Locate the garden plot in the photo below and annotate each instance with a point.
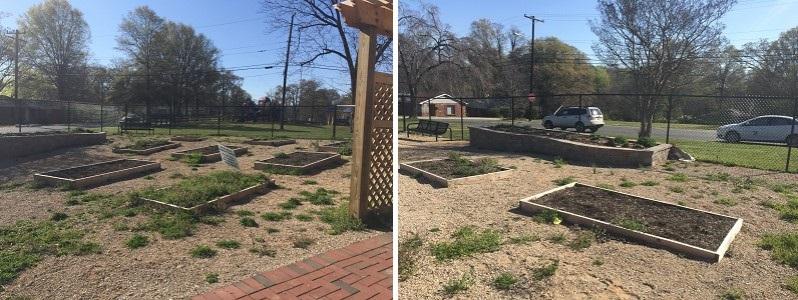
(146, 147)
(456, 170)
(696, 233)
(151, 253)
(473, 241)
(210, 193)
(270, 142)
(206, 154)
(300, 162)
(96, 174)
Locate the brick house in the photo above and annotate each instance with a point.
(443, 106)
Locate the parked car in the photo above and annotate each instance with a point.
(579, 118)
(770, 128)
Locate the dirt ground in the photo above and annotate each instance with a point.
(164, 269)
(610, 269)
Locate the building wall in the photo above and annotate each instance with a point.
(440, 110)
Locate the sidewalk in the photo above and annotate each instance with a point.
(359, 271)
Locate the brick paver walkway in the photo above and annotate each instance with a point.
(359, 271)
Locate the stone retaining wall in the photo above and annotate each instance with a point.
(486, 138)
(19, 146)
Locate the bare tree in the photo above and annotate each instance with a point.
(658, 41)
(426, 44)
(324, 33)
(6, 56)
(137, 38)
(56, 43)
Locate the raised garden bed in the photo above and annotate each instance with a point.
(343, 148)
(187, 138)
(300, 162)
(571, 146)
(688, 231)
(97, 174)
(455, 170)
(13, 146)
(212, 192)
(268, 142)
(146, 147)
(208, 154)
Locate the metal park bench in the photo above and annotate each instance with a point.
(430, 127)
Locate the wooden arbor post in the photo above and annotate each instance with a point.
(372, 139)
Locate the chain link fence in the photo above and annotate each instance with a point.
(757, 132)
(273, 121)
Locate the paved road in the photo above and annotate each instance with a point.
(609, 130)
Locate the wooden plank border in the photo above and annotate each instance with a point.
(207, 158)
(528, 205)
(147, 151)
(455, 181)
(95, 180)
(273, 143)
(218, 204)
(332, 159)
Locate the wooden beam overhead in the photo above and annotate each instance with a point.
(373, 14)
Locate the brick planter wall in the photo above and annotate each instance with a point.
(485, 138)
(19, 146)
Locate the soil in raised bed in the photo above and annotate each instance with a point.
(576, 137)
(145, 144)
(209, 150)
(87, 171)
(298, 158)
(673, 222)
(452, 168)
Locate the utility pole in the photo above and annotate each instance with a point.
(285, 71)
(16, 34)
(532, 63)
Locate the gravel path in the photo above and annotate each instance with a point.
(164, 269)
(606, 270)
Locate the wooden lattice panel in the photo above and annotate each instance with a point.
(380, 179)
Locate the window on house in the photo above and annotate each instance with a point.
(449, 110)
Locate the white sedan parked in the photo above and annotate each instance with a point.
(769, 128)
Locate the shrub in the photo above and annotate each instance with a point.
(545, 271)
(303, 242)
(564, 181)
(228, 244)
(408, 254)
(137, 241)
(458, 285)
(504, 281)
(646, 142)
(340, 219)
(203, 251)
(212, 278)
(467, 241)
(248, 222)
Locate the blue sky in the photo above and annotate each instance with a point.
(748, 21)
(235, 27)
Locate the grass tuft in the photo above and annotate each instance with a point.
(212, 278)
(504, 281)
(340, 219)
(408, 255)
(203, 251)
(248, 222)
(137, 241)
(545, 271)
(228, 244)
(467, 241)
(564, 181)
(458, 285)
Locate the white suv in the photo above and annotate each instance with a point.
(579, 118)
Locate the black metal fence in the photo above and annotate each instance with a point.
(290, 121)
(711, 128)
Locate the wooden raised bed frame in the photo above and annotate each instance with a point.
(207, 158)
(528, 205)
(332, 159)
(99, 179)
(331, 147)
(218, 204)
(183, 138)
(273, 143)
(444, 182)
(147, 151)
